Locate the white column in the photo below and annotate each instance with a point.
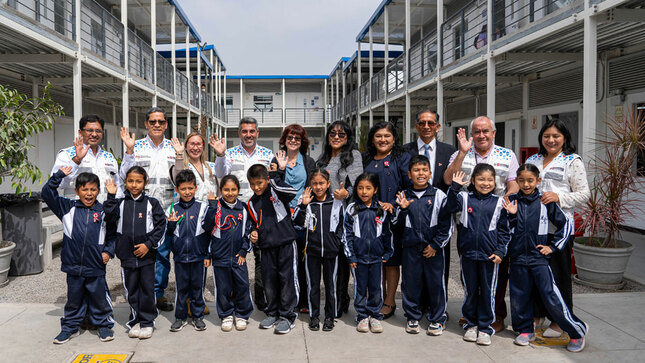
(359, 77)
(214, 92)
(386, 20)
(588, 125)
(173, 61)
(406, 128)
(189, 85)
(199, 86)
(284, 103)
(241, 99)
(77, 82)
(440, 102)
(125, 96)
(490, 66)
(153, 44)
(371, 40)
(325, 95)
(337, 87)
(225, 111)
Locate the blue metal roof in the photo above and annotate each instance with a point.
(343, 59)
(377, 14)
(365, 54)
(181, 53)
(278, 76)
(184, 18)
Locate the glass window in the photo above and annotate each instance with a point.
(263, 103)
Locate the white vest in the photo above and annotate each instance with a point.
(555, 177)
(500, 158)
(240, 164)
(104, 166)
(208, 184)
(158, 169)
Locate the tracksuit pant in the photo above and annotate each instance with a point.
(232, 291)
(560, 263)
(329, 267)
(163, 268)
(139, 291)
(480, 283)
(87, 295)
(368, 293)
(527, 280)
(258, 287)
(421, 273)
(279, 276)
(302, 270)
(342, 283)
(189, 278)
(502, 282)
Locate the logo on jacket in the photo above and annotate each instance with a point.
(95, 216)
(386, 163)
(240, 216)
(429, 201)
(470, 209)
(140, 215)
(378, 220)
(272, 199)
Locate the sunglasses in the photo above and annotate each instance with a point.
(293, 138)
(341, 135)
(157, 122)
(427, 123)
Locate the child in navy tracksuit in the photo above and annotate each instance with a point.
(190, 223)
(368, 243)
(426, 231)
(322, 216)
(529, 252)
(141, 227)
(88, 245)
(275, 236)
(483, 237)
(228, 248)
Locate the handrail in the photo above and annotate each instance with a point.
(59, 18)
(140, 56)
(101, 32)
(314, 115)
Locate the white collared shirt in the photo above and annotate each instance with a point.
(433, 151)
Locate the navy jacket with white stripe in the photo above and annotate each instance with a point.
(323, 222)
(190, 237)
(140, 220)
(231, 236)
(483, 223)
(530, 227)
(86, 234)
(425, 221)
(272, 216)
(367, 237)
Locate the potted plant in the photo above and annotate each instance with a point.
(601, 256)
(21, 117)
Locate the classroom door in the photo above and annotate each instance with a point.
(512, 135)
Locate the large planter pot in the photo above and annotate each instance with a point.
(5, 260)
(22, 224)
(601, 267)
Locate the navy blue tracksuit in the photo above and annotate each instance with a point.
(483, 231)
(530, 271)
(230, 239)
(189, 239)
(140, 220)
(86, 236)
(323, 222)
(424, 223)
(277, 241)
(368, 242)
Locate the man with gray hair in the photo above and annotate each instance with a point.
(237, 161)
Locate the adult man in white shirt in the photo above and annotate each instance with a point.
(237, 161)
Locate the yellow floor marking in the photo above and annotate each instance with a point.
(100, 358)
(550, 342)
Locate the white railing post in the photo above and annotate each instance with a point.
(153, 44)
(77, 82)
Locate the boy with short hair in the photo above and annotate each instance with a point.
(190, 223)
(427, 228)
(275, 236)
(84, 229)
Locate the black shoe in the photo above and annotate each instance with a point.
(178, 325)
(328, 325)
(164, 305)
(199, 324)
(314, 324)
(391, 313)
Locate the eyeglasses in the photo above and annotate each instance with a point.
(341, 135)
(294, 138)
(157, 122)
(195, 144)
(426, 123)
(93, 131)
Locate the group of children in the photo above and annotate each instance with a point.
(221, 233)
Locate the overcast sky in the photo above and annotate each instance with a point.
(280, 36)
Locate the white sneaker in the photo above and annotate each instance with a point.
(471, 334)
(146, 332)
(227, 323)
(240, 324)
(551, 333)
(483, 338)
(363, 326)
(134, 331)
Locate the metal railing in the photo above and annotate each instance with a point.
(206, 103)
(395, 74)
(305, 115)
(423, 57)
(464, 32)
(233, 116)
(165, 79)
(182, 86)
(54, 15)
(363, 95)
(140, 57)
(101, 32)
(272, 116)
(194, 94)
(515, 15)
(378, 85)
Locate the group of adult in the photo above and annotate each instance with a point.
(562, 171)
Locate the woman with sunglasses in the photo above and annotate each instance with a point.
(343, 161)
(295, 166)
(190, 155)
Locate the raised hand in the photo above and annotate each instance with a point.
(66, 169)
(81, 150)
(402, 200)
(178, 146)
(128, 140)
(281, 157)
(110, 186)
(341, 193)
(307, 196)
(458, 177)
(219, 145)
(173, 217)
(211, 195)
(510, 207)
(388, 207)
(273, 167)
(465, 143)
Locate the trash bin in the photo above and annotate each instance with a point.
(21, 223)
